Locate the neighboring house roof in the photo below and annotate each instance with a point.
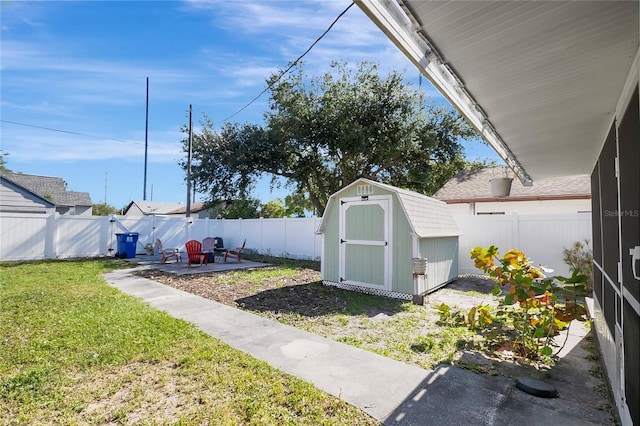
(202, 206)
(154, 207)
(195, 207)
(427, 216)
(50, 188)
(475, 186)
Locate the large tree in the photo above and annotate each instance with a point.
(322, 133)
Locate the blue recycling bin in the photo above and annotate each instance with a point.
(127, 245)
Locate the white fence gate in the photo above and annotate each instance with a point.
(30, 237)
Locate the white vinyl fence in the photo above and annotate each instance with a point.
(30, 237)
(36, 236)
(542, 237)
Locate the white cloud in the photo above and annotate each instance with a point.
(64, 84)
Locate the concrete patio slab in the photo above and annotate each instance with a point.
(181, 268)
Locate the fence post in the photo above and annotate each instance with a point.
(261, 250)
(187, 227)
(286, 224)
(316, 225)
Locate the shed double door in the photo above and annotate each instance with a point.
(365, 241)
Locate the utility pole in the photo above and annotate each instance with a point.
(146, 145)
(188, 208)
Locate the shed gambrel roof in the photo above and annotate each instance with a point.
(474, 186)
(427, 217)
(50, 188)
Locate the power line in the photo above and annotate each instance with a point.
(69, 132)
(223, 121)
(290, 66)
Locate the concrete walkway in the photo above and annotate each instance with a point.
(393, 392)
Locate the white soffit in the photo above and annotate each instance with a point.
(539, 79)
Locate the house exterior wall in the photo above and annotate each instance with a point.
(615, 183)
(12, 199)
(134, 210)
(522, 207)
(84, 210)
(75, 210)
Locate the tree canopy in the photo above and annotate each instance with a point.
(103, 209)
(3, 162)
(322, 133)
(273, 208)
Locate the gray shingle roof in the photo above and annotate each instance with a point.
(194, 207)
(427, 216)
(52, 188)
(475, 185)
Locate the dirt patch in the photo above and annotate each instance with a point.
(465, 292)
(305, 294)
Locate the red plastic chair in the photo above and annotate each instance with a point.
(168, 253)
(236, 252)
(194, 253)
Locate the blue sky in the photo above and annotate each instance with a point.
(73, 74)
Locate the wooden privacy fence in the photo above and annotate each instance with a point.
(30, 237)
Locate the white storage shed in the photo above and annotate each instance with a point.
(373, 234)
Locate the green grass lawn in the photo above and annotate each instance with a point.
(75, 351)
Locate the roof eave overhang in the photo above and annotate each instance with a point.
(397, 26)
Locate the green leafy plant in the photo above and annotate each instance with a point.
(579, 256)
(538, 307)
(478, 316)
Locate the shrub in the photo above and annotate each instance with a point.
(537, 307)
(580, 257)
